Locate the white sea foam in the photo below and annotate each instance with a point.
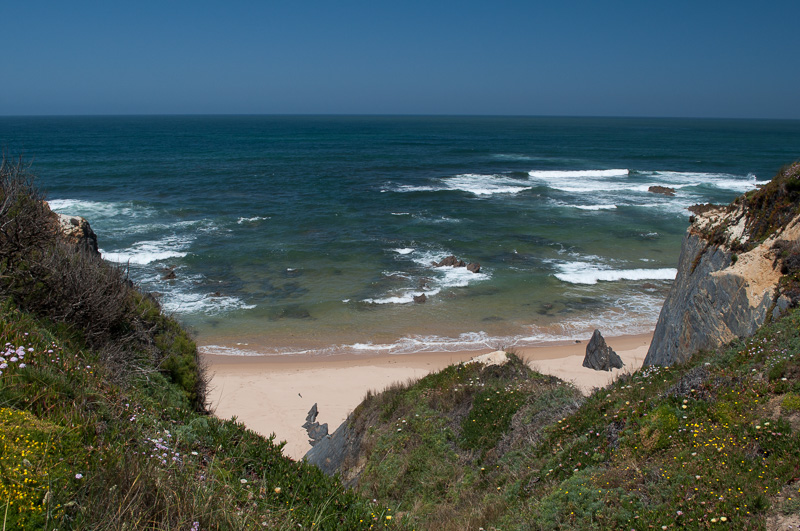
(459, 277)
(466, 341)
(473, 183)
(571, 174)
(369, 347)
(199, 303)
(404, 297)
(616, 181)
(588, 273)
(131, 228)
(443, 219)
(594, 207)
(404, 250)
(724, 181)
(140, 256)
(254, 219)
(436, 278)
(410, 188)
(221, 350)
(98, 210)
(146, 252)
(485, 184)
(588, 181)
(738, 185)
(672, 207)
(201, 225)
(584, 186)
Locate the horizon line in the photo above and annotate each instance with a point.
(392, 115)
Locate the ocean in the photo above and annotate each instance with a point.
(313, 234)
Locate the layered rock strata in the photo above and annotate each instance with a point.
(729, 272)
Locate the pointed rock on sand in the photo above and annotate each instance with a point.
(599, 355)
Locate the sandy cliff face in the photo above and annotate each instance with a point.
(729, 272)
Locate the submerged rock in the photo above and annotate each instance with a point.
(599, 356)
(663, 190)
(450, 261)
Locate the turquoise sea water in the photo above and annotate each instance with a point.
(295, 234)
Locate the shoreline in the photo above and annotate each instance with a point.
(273, 393)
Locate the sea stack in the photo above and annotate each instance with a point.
(599, 356)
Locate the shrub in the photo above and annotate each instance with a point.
(775, 204)
(52, 278)
(25, 220)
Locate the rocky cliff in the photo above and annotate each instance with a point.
(77, 231)
(739, 267)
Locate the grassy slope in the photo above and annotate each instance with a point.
(685, 446)
(80, 451)
(102, 406)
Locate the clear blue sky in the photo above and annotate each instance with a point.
(592, 58)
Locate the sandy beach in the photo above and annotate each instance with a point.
(272, 394)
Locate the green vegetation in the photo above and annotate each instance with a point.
(710, 442)
(437, 447)
(102, 406)
(774, 205)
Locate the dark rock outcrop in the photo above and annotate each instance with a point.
(701, 311)
(316, 432)
(599, 356)
(420, 298)
(663, 190)
(703, 208)
(452, 261)
(331, 452)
